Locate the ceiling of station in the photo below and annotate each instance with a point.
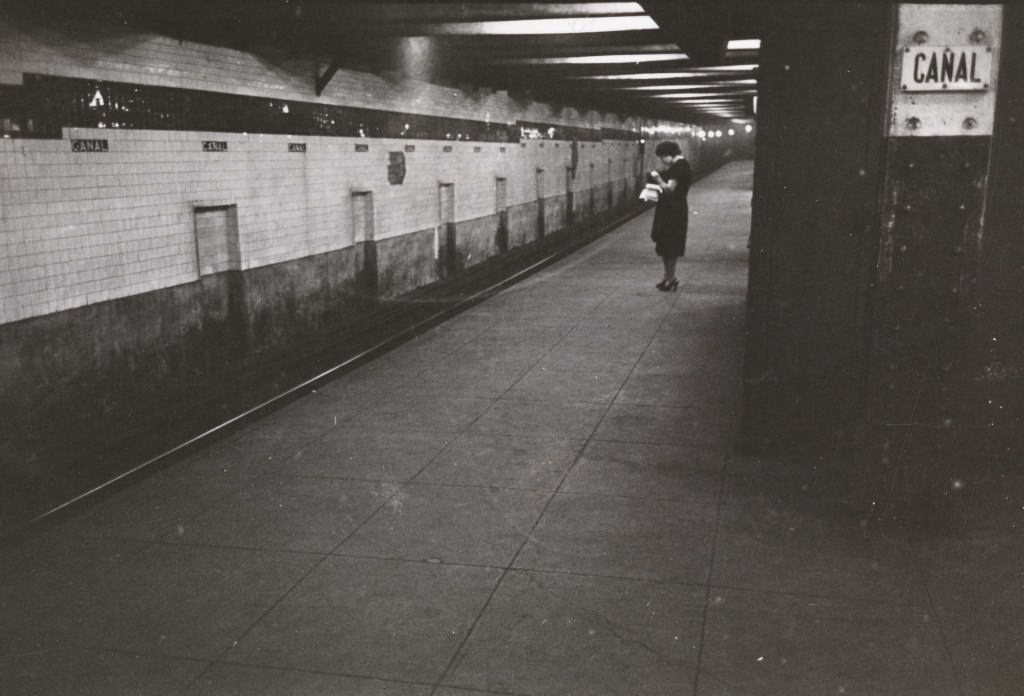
(688, 60)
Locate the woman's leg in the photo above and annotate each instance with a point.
(670, 266)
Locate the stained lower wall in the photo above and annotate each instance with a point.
(79, 379)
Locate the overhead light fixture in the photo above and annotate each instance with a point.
(693, 86)
(729, 68)
(558, 25)
(743, 45)
(691, 95)
(695, 72)
(607, 59)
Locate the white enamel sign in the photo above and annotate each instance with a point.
(946, 68)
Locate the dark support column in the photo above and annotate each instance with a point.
(884, 322)
(815, 224)
(927, 410)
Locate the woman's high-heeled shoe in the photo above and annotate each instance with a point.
(668, 285)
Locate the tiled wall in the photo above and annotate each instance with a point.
(113, 217)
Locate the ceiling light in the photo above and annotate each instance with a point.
(601, 59)
(690, 95)
(560, 25)
(696, 72)
(730, 68)
(694, 86)
(744, 45)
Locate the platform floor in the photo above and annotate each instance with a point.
(538, 497)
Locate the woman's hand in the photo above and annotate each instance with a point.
(669, 185)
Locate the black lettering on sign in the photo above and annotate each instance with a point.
(89, 146)
(296, 147)
(930, 68)
(215, 146)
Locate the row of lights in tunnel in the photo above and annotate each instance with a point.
(606, 17)
(703, 134)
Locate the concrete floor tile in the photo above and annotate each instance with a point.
(466, 380)
(552, 634)
(431, 413)
(622, 347)
(228, 458)
(697, 389)
(565, 360)
(522, 333)
(47, 572)
(75, 671)
(791, 649)
(369, 379)
(242, 680)
(626, 537)
(376, 454)
(532, 463)
(153, 506)
(183, 601)
(763, 546)
(262, 445)
(371, 618)
(975, 581)
(450, 524)
(473, 692)
(491, 356)
(317, 411)
(541, 384)
(657, 471)
(987, 649)
(664, 425)
(286, 513)
(574, 421)
(441, 340)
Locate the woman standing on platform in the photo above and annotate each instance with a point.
(670, 217)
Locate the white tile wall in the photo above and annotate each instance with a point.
(78, 228)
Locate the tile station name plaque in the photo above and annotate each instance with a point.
(952, 68)
(944, 71)
(90, 146)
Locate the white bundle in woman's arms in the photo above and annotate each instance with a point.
(650, 193)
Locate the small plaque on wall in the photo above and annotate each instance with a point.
(362, 148)
(215, 146)
(90, 146)
(296, 147)
(447, 148)
(396, 167)
(410, 148)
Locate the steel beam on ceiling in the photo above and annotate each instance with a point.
(324, 78)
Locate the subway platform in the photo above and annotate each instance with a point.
(539, 497)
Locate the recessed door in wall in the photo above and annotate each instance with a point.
(364, 243)
(444, 239)
(541, 213)
(570, 202)
(501, 206)
(217, 247)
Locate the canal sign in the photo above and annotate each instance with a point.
(946, 68)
